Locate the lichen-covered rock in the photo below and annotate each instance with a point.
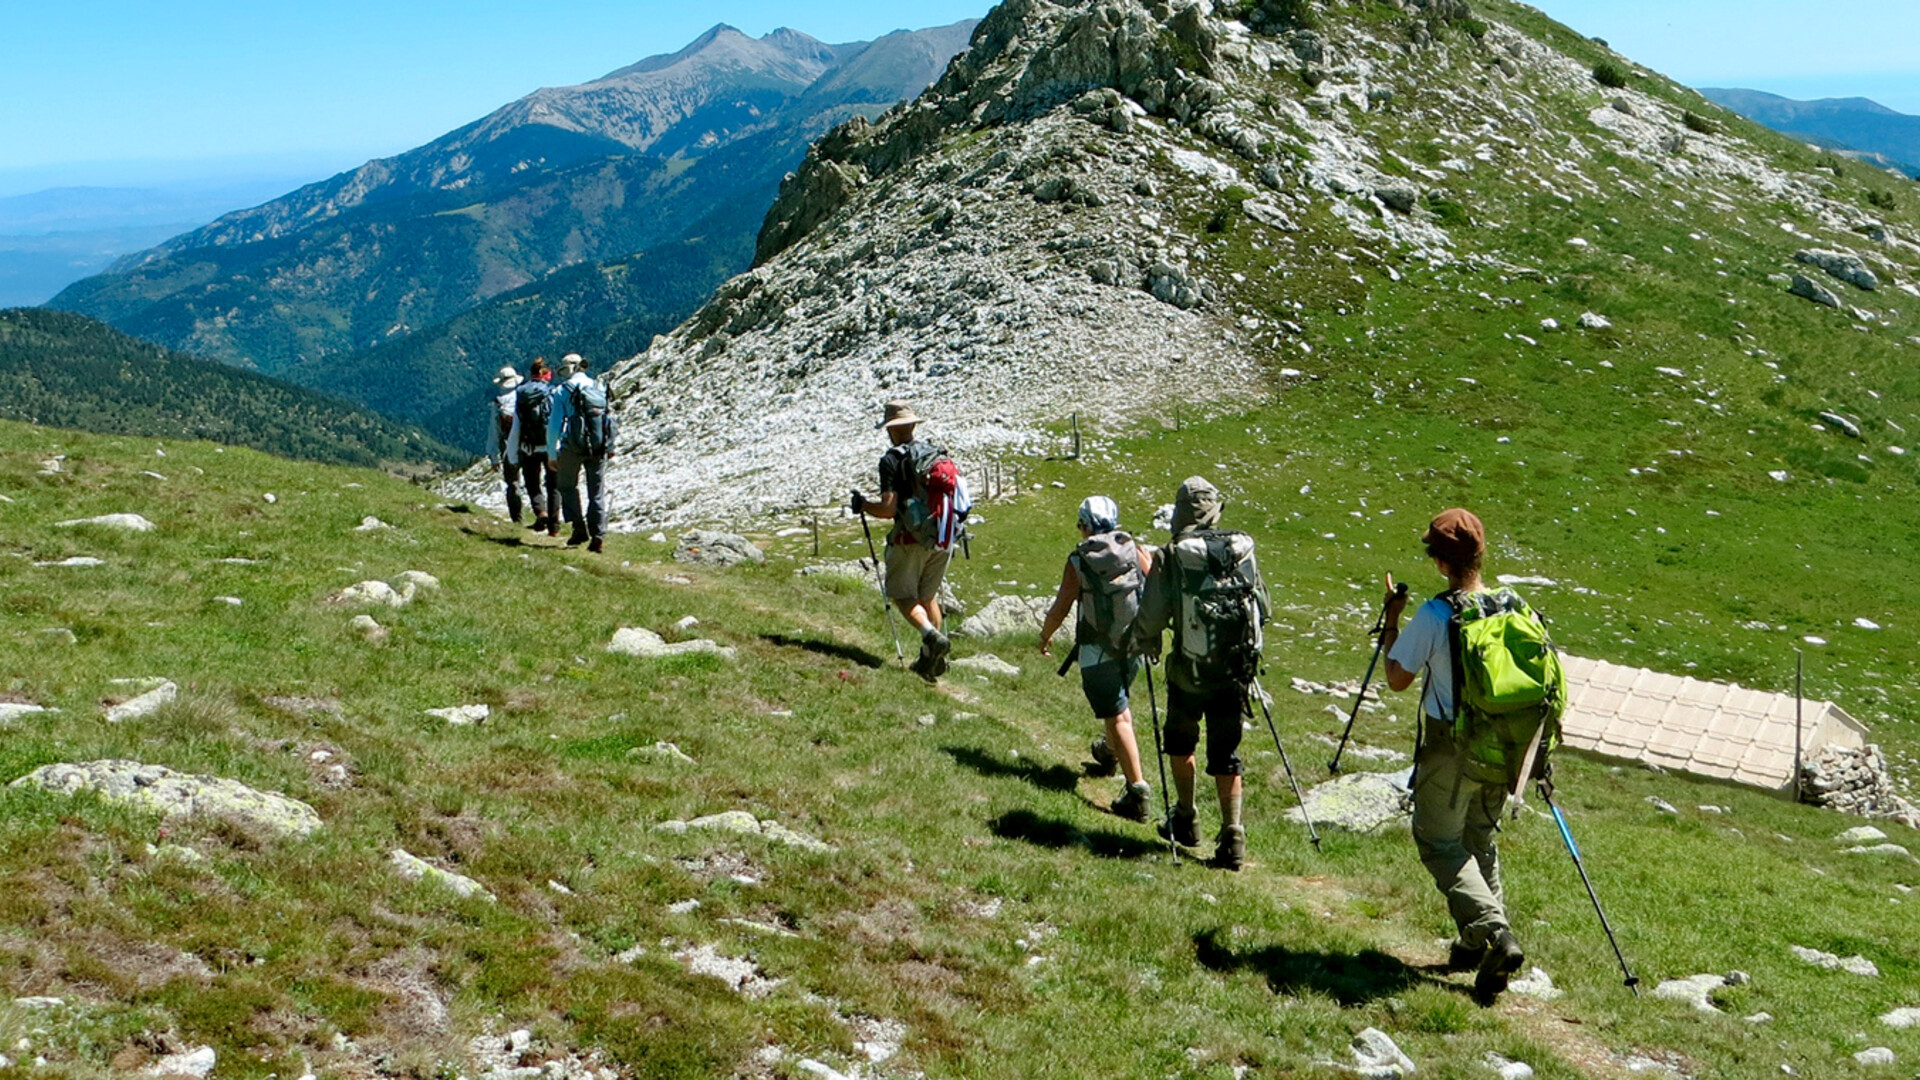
(1013, 615)
(1842, 266)
(173, 794)
(703, 547)
(413, 868)
(1809, 289)
(1357, 802)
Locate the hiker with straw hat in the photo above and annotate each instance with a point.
(502, 454)
(916, 565)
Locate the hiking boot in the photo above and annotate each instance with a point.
(539, 524)
(579, 537)
(1133, 804)
(1230, 851)
(1502, 960)
(1182, 828)
(923, 665)
(1104, 763)
(595, 545)
(1460, 958)
(937, 646)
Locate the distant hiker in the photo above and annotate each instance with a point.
(1466, 763)
(1206, 585)
(1106, 574)
(527, 446)
(581, 431)
(922, 494)
(500, 452)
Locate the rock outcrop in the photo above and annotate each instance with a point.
(173, 794)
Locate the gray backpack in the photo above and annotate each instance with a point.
(1218, 616)
(1108, 566)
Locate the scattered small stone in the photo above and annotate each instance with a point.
(657, 538)
(1508, 1070)
(1860, 834)
(197, 1063)
(60, 635)
(686, 624)
(1808, 289)
(1591, 321)
(172, 794)
(926, 720)
(1875, 1055)
(418, 579)
(1536, 984)
(371, 524)
(1661, 805)
(641, 642)
(739, 821)
(742, 976)
(661, 751)
(14, 710)
(1864, 623)
(1841, 424)
(986, 664)
(1549, 325)
(684, 907)
(820, 1069)
(414, 868)
(54, 1003)
(1379, 1056)
(1857, 965)
(129, 522)
(462, 715)
(1738, 978)
(369, 628)
(145, 705)
(75, 561)
(1696, 990)
(373, 592)
(1881, 849)
(558, 887)
(269, 498)
(1760, 1018)
(1902, 1018)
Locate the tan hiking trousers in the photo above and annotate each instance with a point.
(1455, 821)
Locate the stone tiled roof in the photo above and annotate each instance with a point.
(1717, 730)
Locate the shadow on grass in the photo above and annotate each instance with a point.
(852, 654)
(1054, 833)
(503, 541)
(1348, 978)
(1046, 778)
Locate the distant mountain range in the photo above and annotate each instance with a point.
(66, 370)
(668, 164)
(1876, 133)
(51, 238)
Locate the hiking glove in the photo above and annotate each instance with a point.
(859, 501)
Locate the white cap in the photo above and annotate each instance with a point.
(573, 361)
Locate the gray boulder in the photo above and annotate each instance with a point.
(1378, 1055)
(14, 710)
(1357, 802)
(1841, 424)
(1012, 615)
(172, 794)
(703, 547)
(986, 664)
(1696, 990)
(1806, 287)
(1398, 197)
(1875, 1055)
(145, 705)
(1841, 265)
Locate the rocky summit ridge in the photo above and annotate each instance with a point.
(1043, 231)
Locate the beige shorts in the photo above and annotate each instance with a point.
(914, 571)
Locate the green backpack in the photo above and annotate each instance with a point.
(1508, 685)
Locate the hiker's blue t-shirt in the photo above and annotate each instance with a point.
(1423, 645)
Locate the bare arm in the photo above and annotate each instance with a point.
(883, 507)
(1057, 614)
(1398, 678)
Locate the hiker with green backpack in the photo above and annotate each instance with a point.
(1206, 586)
(1106, 575)
(922, 493)
(581, 431)
(1489, 719)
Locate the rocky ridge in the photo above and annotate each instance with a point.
(1030, 237)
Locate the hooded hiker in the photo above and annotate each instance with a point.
(581, 431)
(1481, 737)
(501, 453)
(1207, 587)
(1106, 574)
(527, 446)
(922, 493)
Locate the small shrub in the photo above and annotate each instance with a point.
(1450, 213)
(1695, 122)
(1882, 199)
(1474, 28)
(1609, 74)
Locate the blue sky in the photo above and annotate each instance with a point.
(111, 91)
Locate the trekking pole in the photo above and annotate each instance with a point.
(1166, 807)
(1379, 642)
(1546, 795)
(880, 575)
(1312, 833)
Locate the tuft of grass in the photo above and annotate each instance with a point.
(1610, 74)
